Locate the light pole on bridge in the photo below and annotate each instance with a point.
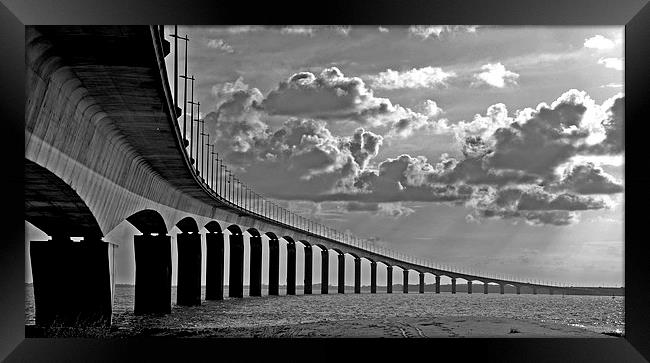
(198, 136)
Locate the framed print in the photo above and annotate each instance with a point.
(221, 177)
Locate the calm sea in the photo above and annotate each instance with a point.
(595, 313)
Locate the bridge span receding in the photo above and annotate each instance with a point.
(103, 145)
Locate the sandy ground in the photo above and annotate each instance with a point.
(439, 327)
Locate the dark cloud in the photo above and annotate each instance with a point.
(588, 179)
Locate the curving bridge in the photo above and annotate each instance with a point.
(103, 145)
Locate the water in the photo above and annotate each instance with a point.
(595, 313)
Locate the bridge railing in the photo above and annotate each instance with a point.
(210, 168)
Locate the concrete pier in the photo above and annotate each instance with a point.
(255, 284)
(357, 275)
(341, 273)
(236, 276)
(437, 284)
(291, 268)
(214, 266)
(373, 277)
(153, 274)
(502, 289)
(469, 287)
(421, 283)
(485, 287)
(274, 266)
(325, 270)
(453, 285)
(72, 284)
(308, 270)
(188, 291)
(389, 279)
(405, 281)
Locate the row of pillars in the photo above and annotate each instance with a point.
(87, 293)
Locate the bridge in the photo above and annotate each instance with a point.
(104, 144)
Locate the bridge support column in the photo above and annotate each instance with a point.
(389, 279)
(518, 290)
(274, 266)
(485, 287)
(341, 273)
(214, 266)
(236, 278)
(405, 285)
(308, 270)
(189, 269)
(291, 269)
(357, 275)
(325, 271)
(534, 291)
(72, 283)
(421, 283)
(153, 274)
(453, 285)
(550, 291)
(437, 284)
(373, 277)
(255, 284)
(469, 287)
(502, 289)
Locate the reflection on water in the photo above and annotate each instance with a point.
(595, 313)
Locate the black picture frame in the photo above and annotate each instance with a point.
(634, 14)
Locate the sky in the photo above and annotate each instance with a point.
(496, 148)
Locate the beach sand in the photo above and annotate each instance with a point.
(435, 327)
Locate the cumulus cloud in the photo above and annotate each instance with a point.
(599, 42)
(425, 31)
(495, 75)
(220, 44)
(364, 145)
(226, 89)
(613, 63)
(612, 85)
(427, 77)
(332, 96)
(521, 166)
(512, 166)
(383, 30)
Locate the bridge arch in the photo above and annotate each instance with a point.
(253, 232)
(234, 229)
(54, 207)
(188, 225)
(213, 227)
(271, 235)
(148, 221)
